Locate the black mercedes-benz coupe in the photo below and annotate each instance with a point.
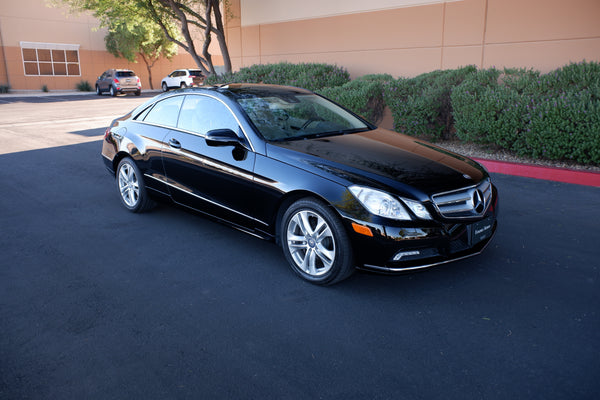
(285, 164)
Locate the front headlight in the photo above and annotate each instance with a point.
(417, 208)
(385, 205)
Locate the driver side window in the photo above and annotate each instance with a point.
(201, 114)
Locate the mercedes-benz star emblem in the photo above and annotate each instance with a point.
(477, 199)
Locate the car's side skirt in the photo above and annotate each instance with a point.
(208, 201)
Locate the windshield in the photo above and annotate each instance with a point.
(293, 116)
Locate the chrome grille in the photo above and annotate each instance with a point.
(467, 202)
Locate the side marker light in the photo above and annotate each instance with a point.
(363, 230)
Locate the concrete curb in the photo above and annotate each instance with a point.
(547, 173)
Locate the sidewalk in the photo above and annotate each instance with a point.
(39, 93)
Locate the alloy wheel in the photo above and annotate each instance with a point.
(311, 243)
(128, 185)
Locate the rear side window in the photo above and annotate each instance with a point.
(123, 74)
(165, 112)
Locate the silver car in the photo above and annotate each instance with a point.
(115, 81)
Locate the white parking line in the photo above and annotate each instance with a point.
(107, 118)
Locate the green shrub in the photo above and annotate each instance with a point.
(45, 88)
(362, 95)
(564, 127)
(554, 116)
(84, 86)
(4, 88)
(311, 76)
(421, 106)
(488, 112)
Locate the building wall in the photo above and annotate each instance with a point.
(33, 21)
(409, 37)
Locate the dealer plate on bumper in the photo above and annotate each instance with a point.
(481, 230)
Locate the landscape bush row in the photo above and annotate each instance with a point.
(554, 116)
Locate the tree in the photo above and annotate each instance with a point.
(205, 15)
(127, 39)
(180, 20)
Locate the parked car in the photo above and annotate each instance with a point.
(115, 81)
(288, 165)
(182, 78)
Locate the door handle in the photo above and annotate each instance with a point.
(174, 143)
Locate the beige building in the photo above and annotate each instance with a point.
(409, 37)
(42, 45)
(45, 46)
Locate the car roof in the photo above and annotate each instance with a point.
(232, 91)
(261, 89)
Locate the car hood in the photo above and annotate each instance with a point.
(381, 158)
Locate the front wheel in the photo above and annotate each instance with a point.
(98, 91)
(164, 87)
(315, 243)
(132, 189)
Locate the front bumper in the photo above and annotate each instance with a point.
(396, 249)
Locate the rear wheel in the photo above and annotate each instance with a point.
(132, 189)
(183, 85)
(315, 243)
(112, 92)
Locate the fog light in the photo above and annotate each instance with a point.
(401, 254)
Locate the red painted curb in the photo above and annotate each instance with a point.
(547, 173)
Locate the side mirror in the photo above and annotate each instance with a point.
(222, 137)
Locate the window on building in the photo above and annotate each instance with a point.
(52, 59)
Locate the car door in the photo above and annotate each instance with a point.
(106, 80)
(155, 125)
(170, 78)
(217, 180)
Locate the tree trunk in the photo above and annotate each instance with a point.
(148, 68)
(220, 32)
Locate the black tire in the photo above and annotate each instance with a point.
(131, 187)
(113, 91)
(139, 92)
(98, 91)
(315, 243)
(164, 87)
(182, 85)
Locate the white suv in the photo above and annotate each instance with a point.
(181, 78)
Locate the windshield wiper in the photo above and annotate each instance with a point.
(335, 133)
(322, 134)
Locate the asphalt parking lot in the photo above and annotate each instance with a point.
(99, 303)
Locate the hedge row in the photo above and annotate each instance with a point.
(421, 106)
(363, 95)
(553, 116)
(311, 76)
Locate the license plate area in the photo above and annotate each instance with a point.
(481, 230)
